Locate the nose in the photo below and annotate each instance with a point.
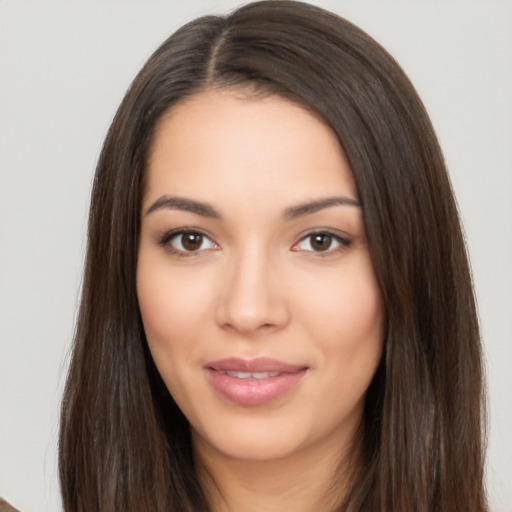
(252, 298)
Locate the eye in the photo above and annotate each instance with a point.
(322, 242)
(187, 241)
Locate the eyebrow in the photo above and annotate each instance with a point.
(320, 204)
(206, 210)
(182, 203)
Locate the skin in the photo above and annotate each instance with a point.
(258, 286)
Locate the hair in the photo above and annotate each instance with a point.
(124, 444)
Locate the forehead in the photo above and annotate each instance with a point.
(226, 144)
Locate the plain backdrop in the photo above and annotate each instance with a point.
(64, 67)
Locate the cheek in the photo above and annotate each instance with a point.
(171, 311)
(170, 301)
(352, 346)
(157, 305)
(346, 317)
(360, 312)
(346, 305)
(172, 306)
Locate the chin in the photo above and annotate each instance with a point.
(251, 439)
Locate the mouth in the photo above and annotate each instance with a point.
(254, 382)
(249, 375)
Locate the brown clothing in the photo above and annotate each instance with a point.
(5, 507)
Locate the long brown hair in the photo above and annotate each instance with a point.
(124, 444)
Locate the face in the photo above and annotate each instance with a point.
(257, 293)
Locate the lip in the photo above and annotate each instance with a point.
(254, 391)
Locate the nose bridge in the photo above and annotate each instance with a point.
(252, 296)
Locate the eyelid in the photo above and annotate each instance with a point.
(343, 240)
(165, 239)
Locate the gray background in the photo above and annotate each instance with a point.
(63, 69)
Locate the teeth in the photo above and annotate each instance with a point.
(249, 375)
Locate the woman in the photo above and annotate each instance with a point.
(277, 311)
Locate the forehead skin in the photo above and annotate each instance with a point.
(251, 139)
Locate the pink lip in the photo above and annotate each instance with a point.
(253, 391)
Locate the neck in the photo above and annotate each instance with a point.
(308, 481)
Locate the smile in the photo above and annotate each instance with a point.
(253, 382)
(249, 375)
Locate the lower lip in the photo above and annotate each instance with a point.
(254, 391)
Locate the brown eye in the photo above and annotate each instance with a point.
(321, 242)
(191, 241)
(187, 241)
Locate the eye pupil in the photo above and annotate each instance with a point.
(320, 242)
(192, 241)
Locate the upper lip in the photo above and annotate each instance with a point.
(259, 364)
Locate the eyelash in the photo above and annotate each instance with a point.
(166, 239)
(165, 242)
(344, 243)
